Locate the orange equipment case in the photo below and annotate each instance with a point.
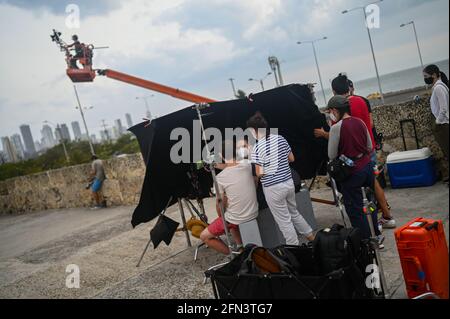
(424, 257)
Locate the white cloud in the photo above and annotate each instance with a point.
(320, 15)
(33, 78)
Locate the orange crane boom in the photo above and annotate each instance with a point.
(176, 93)
(87, 73)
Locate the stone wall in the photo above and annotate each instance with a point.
(66, 187)
(387, 121)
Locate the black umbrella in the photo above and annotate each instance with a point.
(290, 109)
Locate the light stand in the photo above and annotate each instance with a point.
(211, 164)
(337, 200)
(374, 244)
(150, 240)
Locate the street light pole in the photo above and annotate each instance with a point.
(147, 107)
(417, 41)
(313, 43)
(261, 81)
(84, 121)
(233, 87)
(374, 58)
(371, 45)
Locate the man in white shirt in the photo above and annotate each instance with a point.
(237, 188)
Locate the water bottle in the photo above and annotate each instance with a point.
(376, 170)
(349, 162)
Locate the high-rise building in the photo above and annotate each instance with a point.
(9, 149)
(28, 140)
(18, 146)
(113, 133)
(58, 135)
(76, 131)
(48, 140)
(105, 136)
(65, 134)
(3, 158)
(129, 120)
(94, 139)
(119, 128)
(39, 146)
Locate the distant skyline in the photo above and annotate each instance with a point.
(196, 46)
(45, 139)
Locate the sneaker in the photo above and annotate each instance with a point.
(387, 223)
(381, 239)
(380, 227)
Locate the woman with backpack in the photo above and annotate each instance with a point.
(439, 105)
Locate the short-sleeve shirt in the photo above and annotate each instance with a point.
(238, 184)
(359, 110)
(271, 153)
(97, 167)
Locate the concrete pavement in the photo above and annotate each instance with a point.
(36, 248)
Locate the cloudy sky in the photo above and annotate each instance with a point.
(195, 45)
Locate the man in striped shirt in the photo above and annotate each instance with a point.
(272, 155)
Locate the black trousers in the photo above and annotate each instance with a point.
(353, 200)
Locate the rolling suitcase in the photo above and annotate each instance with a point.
(424, 257)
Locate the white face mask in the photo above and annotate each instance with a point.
(333, 117)
(243, 153)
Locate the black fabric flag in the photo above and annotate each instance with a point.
(290, 109)
(164, 230)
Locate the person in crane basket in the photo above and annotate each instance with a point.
(79, 51)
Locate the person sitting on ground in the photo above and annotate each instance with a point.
(98, 177)
(79, 51)
(359, 108)
(439, 106)
(272, 156)
(237, 189)
(350, 137)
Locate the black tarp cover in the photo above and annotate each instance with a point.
(290, 109)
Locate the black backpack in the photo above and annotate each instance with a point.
(336, 248)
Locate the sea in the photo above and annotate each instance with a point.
(393, 82)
